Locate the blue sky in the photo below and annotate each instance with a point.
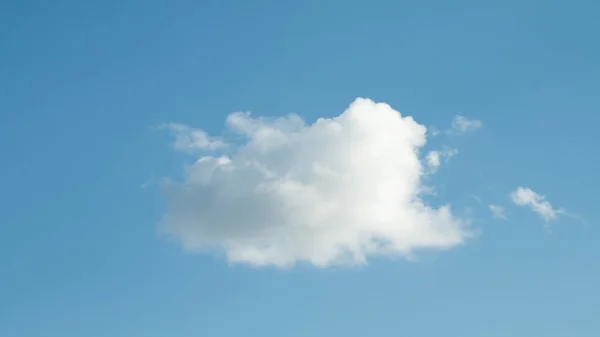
(84, 85)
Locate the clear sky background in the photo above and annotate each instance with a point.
(84, 85)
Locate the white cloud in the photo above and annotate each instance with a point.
(497, 211)
(433, 158)
(334, 192)
(433, 131)
(461, 124)
(523, 196)
(190, 139)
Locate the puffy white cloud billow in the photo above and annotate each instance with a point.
(332, 192)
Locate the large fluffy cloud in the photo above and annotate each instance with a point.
(333, 192)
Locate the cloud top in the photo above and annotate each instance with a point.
(333, 192)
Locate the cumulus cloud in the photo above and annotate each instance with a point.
(333, 192)
(524, 196)
(433, 158)
(461, 124)
(190, 139)
(497, 211)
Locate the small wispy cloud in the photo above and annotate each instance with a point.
(498, 211)
(433, 131)
(524, 196)
(461, 124)
(189, 139)
(434, 158)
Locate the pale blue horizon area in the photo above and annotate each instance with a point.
(83, 86)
